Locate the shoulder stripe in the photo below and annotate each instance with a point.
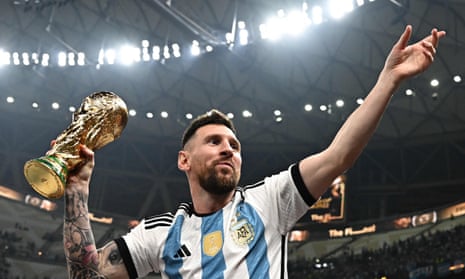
(154, 217)
(161, 220)
(187, 207)
(258, 184)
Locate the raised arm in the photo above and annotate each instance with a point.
(83, 258)
(404, 61)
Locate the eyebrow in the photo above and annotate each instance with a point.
(217, 135)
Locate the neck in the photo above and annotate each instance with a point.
(206, 203)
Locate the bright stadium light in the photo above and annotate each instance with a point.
(129, 54)
(81, 60)
(297, 21)
(176, 50)
(71, 59)
(156, 53)
(339, 8)
(26, 60)
(16, 58)
(195, 48)
(166, 52)
(317, 15)
(35, 58)
(45, 59)
(110, 56)
(5, 57)
(62, 59)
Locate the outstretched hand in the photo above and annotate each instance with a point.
(405, 60)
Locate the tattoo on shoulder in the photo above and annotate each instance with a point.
(78, 271)
(110, 253)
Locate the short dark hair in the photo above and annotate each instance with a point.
(211, 117)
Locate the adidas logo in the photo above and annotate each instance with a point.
(182, 252)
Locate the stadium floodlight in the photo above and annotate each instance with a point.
(35, 58)
(176, 50)
(195, 48)
(317, 15)
(434, 83)
(71, 59)
(129, 54)
(166, 52)
(247, 114)
(62, 59)
(110, 56)
(243, 33)
(16, 58)
(156, 53)
(339, 8)
(25, 57)
(243, 37)
(45, 59)
(81, 58)
(5, 57)
(296, 22)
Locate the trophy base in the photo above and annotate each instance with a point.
(47, 175)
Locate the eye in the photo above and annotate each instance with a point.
(214, 141)
(235, 145)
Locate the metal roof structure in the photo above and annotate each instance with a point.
(414, 161)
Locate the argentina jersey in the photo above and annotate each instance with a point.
(246, 239)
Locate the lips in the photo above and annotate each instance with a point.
(228, 164)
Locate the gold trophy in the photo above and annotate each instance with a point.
(99, 121)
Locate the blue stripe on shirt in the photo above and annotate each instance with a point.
(257, 260)
(213, 263)
(173, 243)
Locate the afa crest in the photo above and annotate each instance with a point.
(212, 243)
(242, 232)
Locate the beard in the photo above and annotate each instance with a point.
(218, 184)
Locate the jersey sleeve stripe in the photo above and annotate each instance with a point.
(124, 251)
(299, 182)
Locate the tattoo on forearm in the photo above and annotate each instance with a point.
(79, 242)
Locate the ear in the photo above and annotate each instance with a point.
(183, 160)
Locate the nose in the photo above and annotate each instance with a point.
(226, 149)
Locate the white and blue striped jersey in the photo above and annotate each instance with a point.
(246, 239)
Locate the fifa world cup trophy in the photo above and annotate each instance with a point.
(99, 121)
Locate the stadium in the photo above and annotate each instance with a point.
(288, 73)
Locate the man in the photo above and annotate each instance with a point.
(229, 231)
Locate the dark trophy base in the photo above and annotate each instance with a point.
(47, 176)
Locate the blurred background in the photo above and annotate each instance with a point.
(287, 72)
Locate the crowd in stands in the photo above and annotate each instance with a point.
(428, 255)
(13, 246)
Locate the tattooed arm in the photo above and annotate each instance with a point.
(84, 260)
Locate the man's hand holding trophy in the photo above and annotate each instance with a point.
(100, 120)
